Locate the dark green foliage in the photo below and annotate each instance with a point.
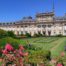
(59, 35)
(10, 34)
(12, 41)
(28, 35)
(3, 33)
(37, 35)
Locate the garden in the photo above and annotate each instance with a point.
(35, 51)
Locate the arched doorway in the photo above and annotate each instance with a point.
(39, 32)
(49, 33)
(17, 32)
(44, 33)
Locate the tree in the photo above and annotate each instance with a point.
(10, 34)
(3, 33)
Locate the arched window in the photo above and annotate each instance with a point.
(49, 33)
(43, 26)
(39, 26)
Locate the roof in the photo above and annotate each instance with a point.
(45, 14)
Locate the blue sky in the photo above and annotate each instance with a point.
(13, 10)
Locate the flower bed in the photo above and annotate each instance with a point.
(13, 56)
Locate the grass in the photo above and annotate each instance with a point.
(54, 44)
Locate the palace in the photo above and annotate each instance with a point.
(45, 23)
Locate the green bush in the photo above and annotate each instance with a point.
(10, 34)
(59, 35)
(37, 35)
(41, 56)
(12, 41)
(28, 35)
(3, 33)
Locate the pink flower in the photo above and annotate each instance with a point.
(17, 55)
(59, 64)
(21, 47)
(15, 51)
(5, 51)
(20, 53)
(62, 54)
(20, 60)
(53, 61)
(8, 47)
(25, 54)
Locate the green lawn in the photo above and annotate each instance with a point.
(54, 44)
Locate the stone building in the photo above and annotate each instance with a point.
(45, 23)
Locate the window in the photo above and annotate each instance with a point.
(25, 32)
(43, 26)
(10, 23)
(21, 32)
(59, 32)
(17, 32)
(49, 25)
(7, 23)
(0, 23)
(17, 26)
(14, 23)
(65, 24)
(64, 31)
(21, 26)
(39, 26)
(54, 32)
(39, 32)
(25, 25)
(3, 23)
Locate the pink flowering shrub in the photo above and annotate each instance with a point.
(8, 47)
(21, 47)
(59, 64)
(4, 51)
(14, 55)
(62, 54)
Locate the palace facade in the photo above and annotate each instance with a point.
(45, 23)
